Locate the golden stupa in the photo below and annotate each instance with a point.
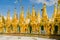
(33, 23)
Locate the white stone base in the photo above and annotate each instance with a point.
(22, 38)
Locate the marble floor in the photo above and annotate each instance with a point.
(2, 37)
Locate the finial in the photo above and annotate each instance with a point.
(21, 2)
(55, 5)
(22, 7)
(22, 10)
(15, 8)
(0, 14)
(28, 8)
(44, 5)
(8, 6)
(33, 5)
(8, 9)
(8, 13)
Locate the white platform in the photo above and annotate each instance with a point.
(22, 38)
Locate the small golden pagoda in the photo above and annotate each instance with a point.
(27, 21)
(33, 21)
(7, 23)
(22, 21)
(15, 22)
(1, 24)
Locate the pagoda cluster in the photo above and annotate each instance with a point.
(33, 23)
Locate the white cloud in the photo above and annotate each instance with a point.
(16, 1)
(48, 2)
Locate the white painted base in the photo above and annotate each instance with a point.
(22, 38)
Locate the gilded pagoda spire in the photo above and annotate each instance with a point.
(45, 19)
(33, 16)
(38, 13)
(44, 13)
(58, 6)
(28, 13)
(28, 16)
(15, 17)
(8, 16)
(22, 12)
(33, 11)
(55, 12)
(8, 22)
(21, 19)
(15, 21)
(38, 16)
(33, 21)
(27, 21)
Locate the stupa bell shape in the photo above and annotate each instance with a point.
(22, 12)
(27, 20)
(44, 13)
(55, 12)
(8, 15)
(21, 19)
(15, 18)
(58, 7)
(33, 11)
(33, 20)
(33, 16)
(15, 14)
(8, 20)
(38, 16)
(28, 13)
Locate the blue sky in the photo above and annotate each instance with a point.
(11, 4)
